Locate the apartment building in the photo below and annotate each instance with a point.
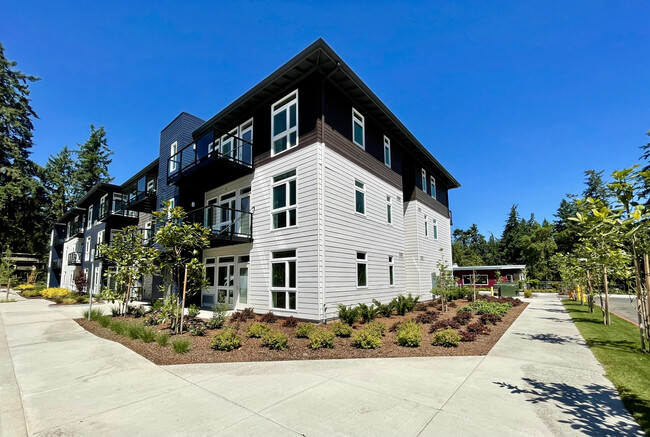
(316, 194)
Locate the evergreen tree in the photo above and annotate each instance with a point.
(92, 162)
(21, 193)
(644, 193)
(58, 180)
(565, 231)
(492, 256)
(537, 248)
(595, 187)
(510, 244)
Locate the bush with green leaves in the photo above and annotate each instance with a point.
(196, 328)
(104, 321)
(377, 327)
(275, 340)
(366, 339)
(341, 329)
(409, 334)
(218, 318)
(181, 345)
(349, 314)
(95, 314)
(193, 311)
(304, 329)
(482, 307)
(147, 335)
(447, 337)
(226, 340)
(383, 310)
(404, 304)
(162, 339)
(269, 317)
(257, 330)
(321, 338)
(368, 313)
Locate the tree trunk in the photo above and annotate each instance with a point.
(183, 305)
(639, 296)
(8, 287)
(606, 287)
(590, 288)
(126, 297)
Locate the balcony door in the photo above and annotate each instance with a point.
(227, 206)
(226, 281)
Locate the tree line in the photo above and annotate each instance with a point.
(33, 196)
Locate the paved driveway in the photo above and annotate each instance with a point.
(622, 305)
(540, 379)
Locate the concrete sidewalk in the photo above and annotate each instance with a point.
(540, 379)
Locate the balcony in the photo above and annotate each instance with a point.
(74, 259)
(141, 195)
(76, 230)
(229, 226)
(56, 264)
(118, 217)
(202, 162)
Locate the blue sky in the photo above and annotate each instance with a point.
(515, 99)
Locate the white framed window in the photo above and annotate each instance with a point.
(87, 249)
(391, 271)
(435, 229)
(103, 205)
(90, 217)
(244, 149)
(118, 200)
(389, 210)
(100, 237)
(424, 180)
(228, 147)
(173, 162)
(435, 281)
(362, 269)
(426, 226)
(387, 151)
(480, 280)
(359, 197)
(509, 278)
(358, 129)
(284, 195)
(432, 180)
(284, 124)
(151, 186)
(147, 233)
(283, 280)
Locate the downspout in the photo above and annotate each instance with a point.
(322, 307)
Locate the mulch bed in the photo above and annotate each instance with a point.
(252, 350)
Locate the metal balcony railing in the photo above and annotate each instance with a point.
(74, 259)
(225, 223)
(56, 264)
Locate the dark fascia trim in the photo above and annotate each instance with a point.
(102, 188)
(321, 45)
(138, 175)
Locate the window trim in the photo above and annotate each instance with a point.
(363, 261)
(287, 289)
(90, 216)
(293, 96)
(285, 209)
(173, 150)
(426, 226)
(469, 280)
(389, 210)
(387, 148)
(87, 248)
(424, 180)
(360, 120)
(391, 271)
(435, 229)
(363, 191)
(432, 181)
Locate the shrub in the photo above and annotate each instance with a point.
(321, 338)
(427, 317)
(257, 330)
(394, 327)
(51, 293)
(249, 313)
(467, 336)
(367, 312)
(304, 329)
(193, 311)
(349, 314)
(115, 311)
(478, 328)
(341, 329)
(528, 293)
(447, 338)
(134, 330)
(104, 321)
(238, 316)
(444, 324)
(383, 310)
(404, 304)
(162, 339)
(181, 345)
(196, 329)
(484, 307)
(136, 311)
(118, 327)
(275, 340)
(452, 304)
(31, 292)
(376, 327)
(154, 319)
(269, 317)
(490, 318)
(409, 334)
(421, 306)
(23, 287)
(218, 316)
(95, 314)
(147, 334)
(214, 323)
(463, 318)
(226, 340)
(290, 322)
(366, 339)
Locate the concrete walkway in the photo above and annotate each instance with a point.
(540, 379)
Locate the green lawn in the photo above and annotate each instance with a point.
(618, 348)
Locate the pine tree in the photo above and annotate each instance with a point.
(21, 193)
(510, 244)
(645, 190)
(596, 188)
(58, 180)
(565, 231)
(92, 162)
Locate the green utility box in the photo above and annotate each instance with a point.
(508, 290)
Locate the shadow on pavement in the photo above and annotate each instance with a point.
(592, 409)
(547, 338)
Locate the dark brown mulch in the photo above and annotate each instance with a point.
(252, 350)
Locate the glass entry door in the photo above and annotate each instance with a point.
(243, 283)
(226, 281)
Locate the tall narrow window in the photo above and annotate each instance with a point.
(391, 271)
(435, 229)
(424, 180)
(389, 210)
(173, 161)
(358, 129)
(245, 149)
(433, 187)
(426, 226)
(284, 200)
(87, 249)
(362, 269)
(386, 151)
(90, 217)
(360, 197)
(284, 124)
(283, 280)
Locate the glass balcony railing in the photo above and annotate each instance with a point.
(226, 224)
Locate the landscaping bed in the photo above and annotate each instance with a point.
(252, 349)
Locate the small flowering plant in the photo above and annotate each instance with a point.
(196, 329)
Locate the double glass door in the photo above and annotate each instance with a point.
(226, 282)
